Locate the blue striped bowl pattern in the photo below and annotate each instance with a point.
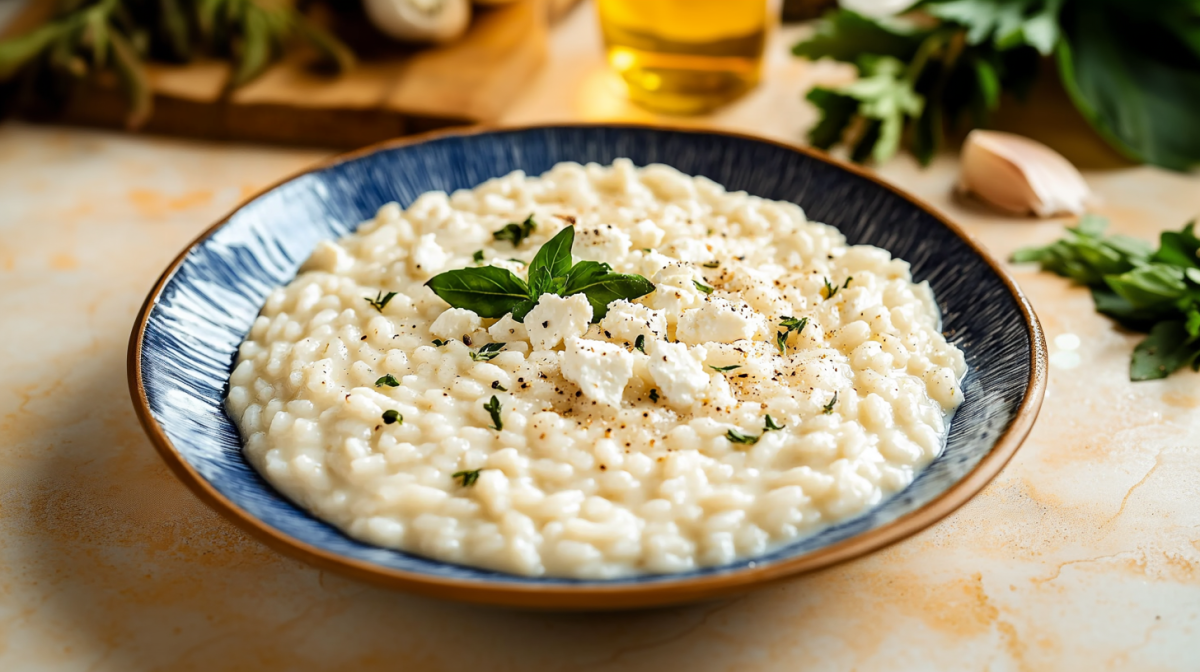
(184, 345)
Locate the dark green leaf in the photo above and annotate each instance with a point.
(1138, 93)
(380, 301)
(1179, 248)
(255, 47)
(437, 342)
(487, 352)
(522, 309)
(836, 112)
(724, 369)
(497, 386)
(1167, 349)
(703, 287)
(493, 408)
(477, 257)
(828, 409)
(514, 232)
(845, 35)
(17, 51)
(133, 79)
(736, 436)
(781, 342)
(392, 417)
(555, 256)
(388, 380)
(466, 478)
(654, 396)
(1149, 285)
(639, 343)
(173, 26)
(601, 286)
(771, 426)
(487, 291)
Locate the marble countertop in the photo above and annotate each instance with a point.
(1084, 554)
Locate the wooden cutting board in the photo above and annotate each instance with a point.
(392, 92)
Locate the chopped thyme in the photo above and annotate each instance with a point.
(466, 478)
(723, 369)
(380, 300)
(639, 343)
(704, 288)
(515, 233)
(830, 290)
(497, 386)
(735, 436)
(437, 342)
(487, 353)
(781, 342)
(493, 408)
(829, 407)
(789, 325)
(392, 417)
(647, 250)
(478, 256)
(711, 264)
(847, 282)
(654, 395)
(388, 380)
(771, 426)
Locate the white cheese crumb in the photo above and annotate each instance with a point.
(330, 257)
(718, 321)
(626, 321)
(601, 370)
(428, 257)
(555, 319)
(508, 330)
(678, 371)
(454, 323)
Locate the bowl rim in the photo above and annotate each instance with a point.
(600, 596)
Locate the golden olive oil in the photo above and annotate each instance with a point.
(686, 56)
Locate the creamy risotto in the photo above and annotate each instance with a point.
(770, 381)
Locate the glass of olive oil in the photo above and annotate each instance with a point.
(686, 56)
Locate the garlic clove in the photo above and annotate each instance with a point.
(420, 20)
(1019, 175)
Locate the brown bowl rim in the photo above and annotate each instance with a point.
(603, 596)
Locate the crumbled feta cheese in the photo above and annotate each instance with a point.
(555, 319)
(601, 370)
(428, 257)
(508, 330)
(604, 243)
(330, 257)
(718, 321)
(678, 371)
(455, 323)
(646, 234)
(626, 321)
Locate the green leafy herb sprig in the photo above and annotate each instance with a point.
(490, 291)
(1131, 68)
(88, 37)
(1146, 290)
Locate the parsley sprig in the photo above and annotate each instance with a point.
(494, 292)
(1152, 291)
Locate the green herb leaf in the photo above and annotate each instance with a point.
(844, 35)
(466, 478)
(795, 324)
(601, 286)
(487, 352)
(497, 386)
(1168, 348)
(392, 417)
(477, 257)
(781, 342)
(654, 395)
(516, 233)
(380, 301)
(487, 291)
(832, 402)
(437, 342)
(1085, 256)
(388, 380)
(711, 264)
(493, 408)
(830, 289)
(704, 288)
(735, 436)
(639, 343)
(554, 258)
(770, 425)
(836, 112)
(723, 369)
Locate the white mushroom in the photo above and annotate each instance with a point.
(420, 20)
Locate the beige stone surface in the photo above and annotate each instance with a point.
(1083, 555)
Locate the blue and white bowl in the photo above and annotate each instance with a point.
(185, 339)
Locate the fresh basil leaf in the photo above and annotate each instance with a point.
(1167, 349)
(514, 232)
(1119, 308)
(601, 286)
(844, 35)
(522, 309)
(487, 291)
(1134, 82)
(1192, 324)
(1179, 248)
(555, 255)
(1149, 285)
(836, 112)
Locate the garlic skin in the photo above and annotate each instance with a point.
(420, 20)
(1021, 176)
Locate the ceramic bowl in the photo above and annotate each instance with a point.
(183, 344)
